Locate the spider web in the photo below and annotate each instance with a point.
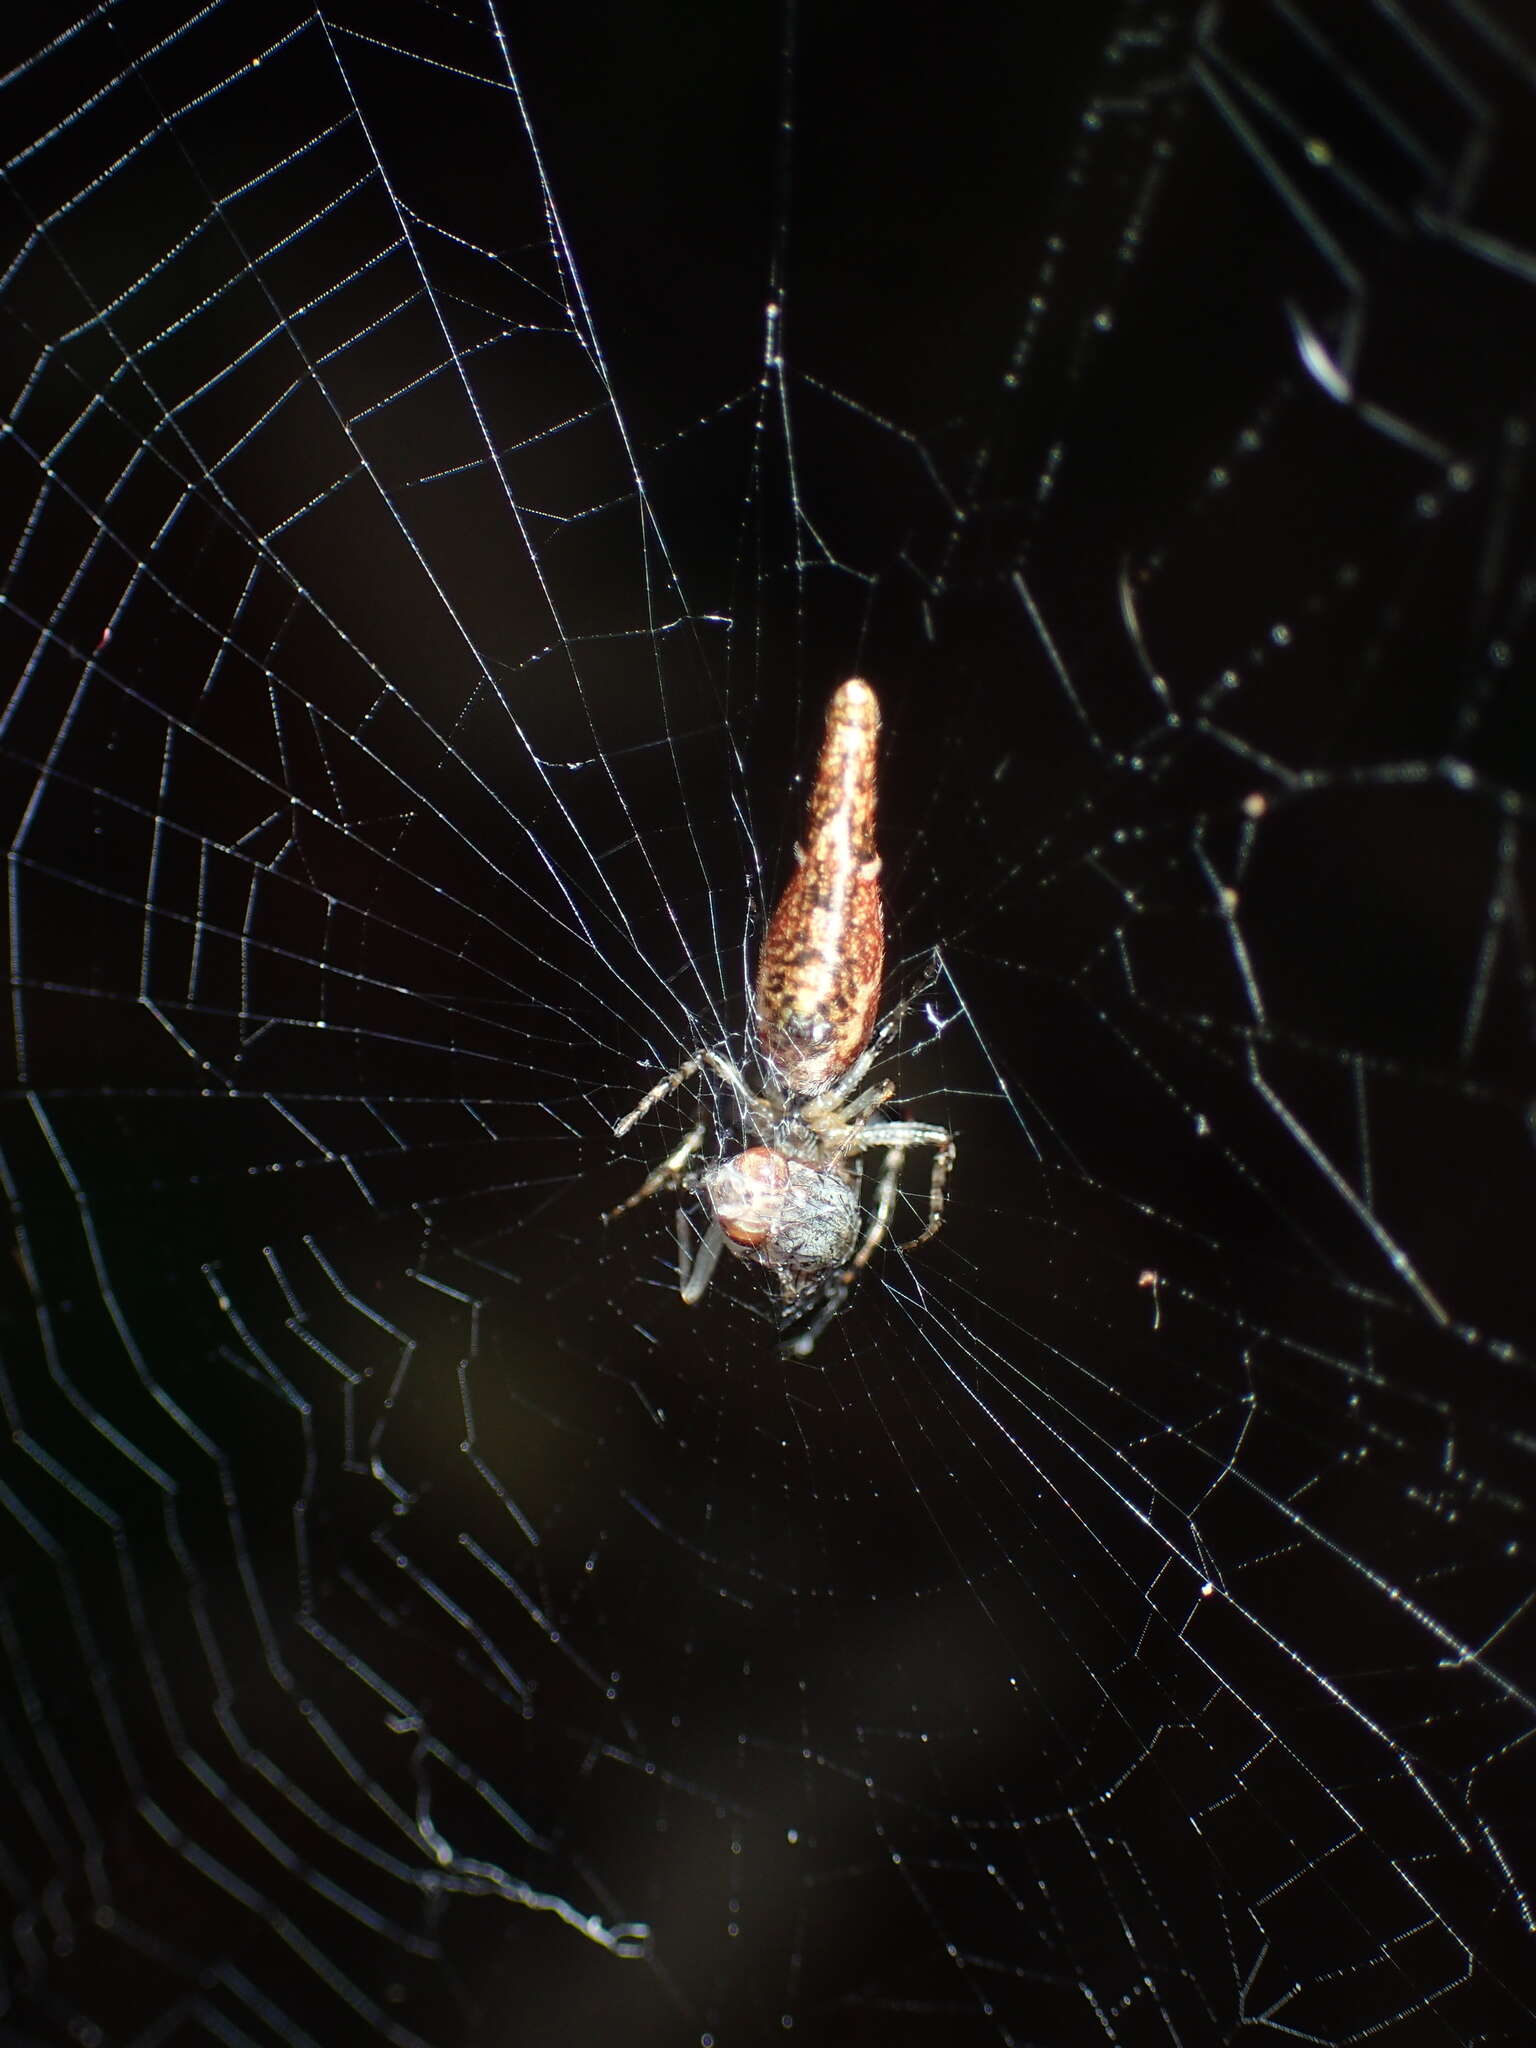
(450, 459)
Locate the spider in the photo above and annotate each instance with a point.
(790, 1200)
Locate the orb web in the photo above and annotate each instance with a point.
(449, 460)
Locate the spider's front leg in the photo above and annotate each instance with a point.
(667, 1175)
(663, 1088)
(716, 1062)
(674, 1169)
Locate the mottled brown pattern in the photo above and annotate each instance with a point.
(819, 973)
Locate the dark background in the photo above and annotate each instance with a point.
(407, 1601)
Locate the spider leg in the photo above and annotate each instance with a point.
(696, 1265)
(943, 1160)
(834, 1293)
(663, 1088)
(899, 1139)
(729, 1072)
(885, 1205)
(837, 1095)
(889, 1024)
(717, 1063)
(858, 1112)
(668, 1174)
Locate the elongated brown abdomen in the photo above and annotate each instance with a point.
(823, 956)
